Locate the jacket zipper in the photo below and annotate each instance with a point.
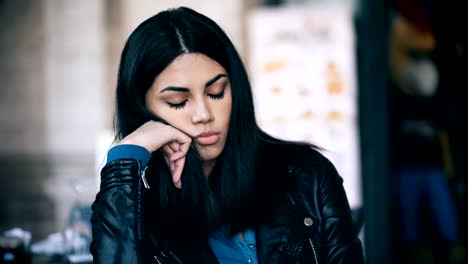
(143, 177)
(158, 260)
(313, 250)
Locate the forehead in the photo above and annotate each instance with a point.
(189, 70)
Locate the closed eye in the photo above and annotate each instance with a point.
(218, 96)
(178, 105)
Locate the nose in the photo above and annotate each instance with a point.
(202, 113)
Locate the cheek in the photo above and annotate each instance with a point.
(228, 112)
(155, 107)
(227, 107)
(223, 112)
(176, 118)
(179, 119)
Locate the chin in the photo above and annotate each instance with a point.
(209, 153)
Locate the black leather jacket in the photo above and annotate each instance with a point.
(311, 222)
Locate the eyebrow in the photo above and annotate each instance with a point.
(185, 90)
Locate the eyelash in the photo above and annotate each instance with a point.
(217, 96)
(182, 104)
(178, 106)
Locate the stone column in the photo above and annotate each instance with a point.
(74, 87)
(23, 158)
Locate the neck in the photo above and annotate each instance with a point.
(208, 167)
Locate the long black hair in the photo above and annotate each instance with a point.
(227, 196)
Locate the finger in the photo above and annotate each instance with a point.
(185, 146)
(177, 173)
(170, 164)
(181, 137)
(172, 167)
(181, 166)
(178, 185)
(177, 155)
(183, 149)
(167, 153)
(174, 146)
(178, 182)
(168, 150)
(177, 176)
(166, 158)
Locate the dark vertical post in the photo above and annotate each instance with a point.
(273, 2)
(372, 35)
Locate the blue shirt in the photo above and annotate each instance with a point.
(234, 250)
(228, 250)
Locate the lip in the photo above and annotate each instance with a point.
(208, 138)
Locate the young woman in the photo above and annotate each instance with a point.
(193, 179)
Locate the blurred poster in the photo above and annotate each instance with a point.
(303, 68)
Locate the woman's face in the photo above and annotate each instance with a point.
(193, 94)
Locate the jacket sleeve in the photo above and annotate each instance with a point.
(115, 218)
(341, 242)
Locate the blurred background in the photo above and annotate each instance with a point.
(380, 85)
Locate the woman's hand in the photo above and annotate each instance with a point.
(154, 135)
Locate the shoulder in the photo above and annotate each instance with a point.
(303, 157)
(300, 159)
